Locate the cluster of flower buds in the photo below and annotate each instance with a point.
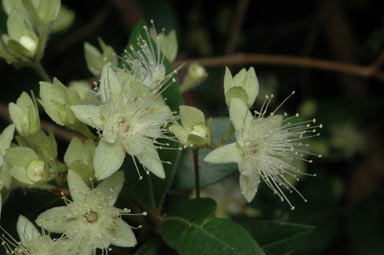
(29, 24)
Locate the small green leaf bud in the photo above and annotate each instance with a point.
(25, 115)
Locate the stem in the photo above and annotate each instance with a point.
(41, 71)
(197, 174)
(369, 71)
(224, 138)
(151, 194)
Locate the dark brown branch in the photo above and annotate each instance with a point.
(371, 71)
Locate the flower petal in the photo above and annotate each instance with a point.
(54, 220)
(228, 81)
(151, 160)
(89, 114)
(241, 118)
(248, 186)
(108, 158)
(6, 138)
(26, 230)
(77, 187)
(110, 86)
(122, 235)
(239, 114)
(112, 186)
(251, 86)
(191, 116)
(225, 154)
(180, 133)
(20, 174)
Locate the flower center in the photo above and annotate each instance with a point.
(91, 216)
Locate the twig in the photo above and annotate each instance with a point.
(81, 33)
(370, 71)
(197, 173)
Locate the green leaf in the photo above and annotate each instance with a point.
(209, 173)
(192, 229)
(160, 186)
(277, 238)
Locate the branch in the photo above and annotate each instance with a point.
(370, 71)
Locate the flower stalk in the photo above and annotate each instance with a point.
(197, 174)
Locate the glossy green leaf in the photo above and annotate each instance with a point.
(209, 173)
(277, 238)
(192, 229)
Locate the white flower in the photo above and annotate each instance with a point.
(5, 142)
(34, 243)
(90, 221)
(264, 148)
(146, 61)
(129, 120)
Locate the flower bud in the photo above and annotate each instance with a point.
(196, 74)
(57, 100)
(87, 95)
(79, 158)
(23, 40)
(35, 171)
(64, 20)
(246, 80)
(193, 131)
(46, 10)
(24, 164)
(168, 43)
(96, 59)
(25, 115)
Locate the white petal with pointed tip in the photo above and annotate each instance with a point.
(112, 186)
(89, 114)
(20, 174)
(251, 86)
(122, 235)
(239, 114)
(110, 86)
(77, 187)
(54, 220)
(225, 154)
(228, 81)
(248, 186)
(108, 159)
(151, 160)
(26, 230)
(6, 138)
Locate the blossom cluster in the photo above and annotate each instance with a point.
(125, 113)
